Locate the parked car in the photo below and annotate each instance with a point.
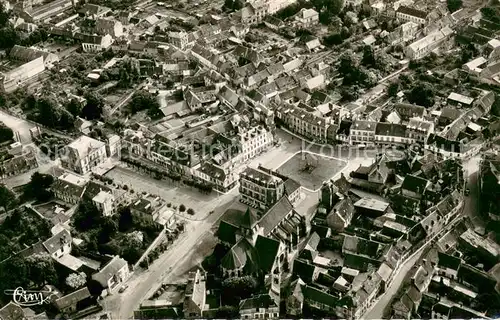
(123, 288)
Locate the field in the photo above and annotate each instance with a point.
(311, 169)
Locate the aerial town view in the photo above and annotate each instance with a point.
(249, 159)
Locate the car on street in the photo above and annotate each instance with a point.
(123, 288)
(467, 191)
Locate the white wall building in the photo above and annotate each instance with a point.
(254, 141)
(83, 154)
(104, 202)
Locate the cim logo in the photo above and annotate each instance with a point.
(28, 298)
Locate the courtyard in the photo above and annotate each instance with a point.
(172, 192)
(311, 169)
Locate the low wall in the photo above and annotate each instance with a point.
(153, 246)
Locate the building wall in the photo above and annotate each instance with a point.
(407, 18)
(252, 147)
(66, 197)
(85, 165)
(362, 136)
(17, 77)
(393, 139)
(260, 195)
(106, 208)
(121, 276)
(260, 313)
(306, 129)
(65, 249)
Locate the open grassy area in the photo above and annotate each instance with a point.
(311, 169)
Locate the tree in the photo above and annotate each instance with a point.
(108, 229)
(48, 111)
(333, 7)
(495, 108)
(190, 211)
(182, 208)
(4, 16)
(333, 39)
(74, 107)
(87, 217)
(350, 19)
(348, 63)
(7, 198)
(422, 95)
(6, 134)
(94, 106)
(76, 280)
(468, 52)
(393, 89)
(228, 4)
(125, 222)
(369, 78)
(145, 101)
(13, 273)
(38, 187)
(8, 36)
(227, 312)
(41, 269)
(237, 5)
(454, 5)
(368, 57)
(238, 288)
(349, 94)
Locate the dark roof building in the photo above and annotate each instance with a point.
(413, 12)
(267, 251)
(275, 215)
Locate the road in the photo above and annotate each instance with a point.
(19, 126)
(166, 269)
(21, 129)
(471, 168)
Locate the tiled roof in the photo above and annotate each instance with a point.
(448, 261)
(72, 298)
(55, 243)
(344, 208)
(319, 296)
(390, 129)
(275, 215)
(261, 301)
(407, 111)
(26, 54)
(303, 270)
(267, 251)
(364, 125)
(413, 12)
(12, 311)
(109, 271)
(414, 183)
(291, 186)
(240, 219)
(229, 95)
(227, 232)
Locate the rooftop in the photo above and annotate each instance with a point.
(85, 145)
(371, 204)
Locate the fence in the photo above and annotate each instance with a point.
(153, 246)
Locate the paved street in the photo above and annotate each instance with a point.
(19, 126)
(22, 129)
(166, 269)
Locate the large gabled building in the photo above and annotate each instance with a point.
(83, 154)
